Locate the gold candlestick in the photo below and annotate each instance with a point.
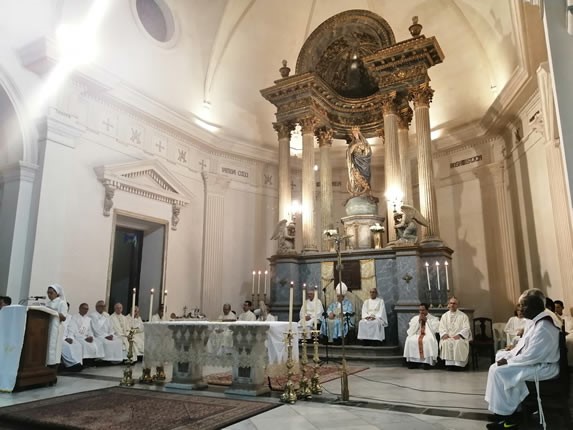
(304, 390)
(159, 374)
(315, 386)
(289, 394)
(127, 380)
(146, 376)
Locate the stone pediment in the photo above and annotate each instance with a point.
(146, 178)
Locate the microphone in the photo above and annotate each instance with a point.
(37, 297)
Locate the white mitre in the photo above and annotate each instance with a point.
(341, 286)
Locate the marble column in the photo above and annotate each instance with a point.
(213, 243)
(283, 131)
(308, 185)
(557, 182)
(405, 118)
(392, 174)
(422, 96)
(325, 143)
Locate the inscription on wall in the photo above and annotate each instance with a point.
(234, 172)
(466, 161)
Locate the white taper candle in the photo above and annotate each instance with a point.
(428, 275)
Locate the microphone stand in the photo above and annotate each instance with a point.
(325, 322)
(344, 391)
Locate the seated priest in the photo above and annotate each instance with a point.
(80, 330)
(535, 358)
(72, 352)
(227, 315)
(374, 319)
(136, 323)
(455, 334)
(421, 346)
(103, 331)
(331, 327)
(160, 315)
(120, 326)
(515, 326)
(314, 311)
(247, 314)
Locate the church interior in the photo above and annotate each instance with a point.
(355, 165)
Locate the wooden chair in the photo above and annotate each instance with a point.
(483, 340)
(554, 393)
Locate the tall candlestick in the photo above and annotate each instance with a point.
(290, 303)
(438, 273)
(428, 275)
(265, 284)
(315, 324)
(150, 306)
(304, 304)
(133, 304)
(165, 305)
(259, 284)
(447, 277)
(253, 288)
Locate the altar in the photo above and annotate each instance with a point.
(252, 349)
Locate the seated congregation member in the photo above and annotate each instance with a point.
(536, 357)
(72, 353)
(247, 314)
(567, 325)
(136, 323)
(314, 311)
(421, 345)
(56, 302)
(455, 334)
(103, 331)
(80, 329)
(515, 326)
(5, 301)
(227, 315)
(374, 319)
(160, 315)
(331, 327)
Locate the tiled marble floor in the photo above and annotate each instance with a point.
(442, 398)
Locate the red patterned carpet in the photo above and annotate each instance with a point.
(129, 409)
(327, 372)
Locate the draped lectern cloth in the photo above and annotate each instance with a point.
(12, 329)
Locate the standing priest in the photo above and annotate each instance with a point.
(374, 319)
(455, 334)
(421, 344)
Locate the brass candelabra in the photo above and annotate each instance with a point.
(304, 390)
(146, 376)
(159, 374)
(289, 393)
(315, 386)
(127, 380)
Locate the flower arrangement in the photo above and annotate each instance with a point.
(377, 228)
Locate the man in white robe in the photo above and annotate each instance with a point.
(136, 323)
(421, 345)
(247, 314)
(374, 319)
(455, 334)
(314, 311)
(227, 315)
(159, 316)
(567, 325)
(120, 326)
(72, 353)
(515, 326)
(535, 358)
(102, 329)
(80, 330)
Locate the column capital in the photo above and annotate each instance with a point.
(283, 129)
(324, 136)
(421, 95)
(405, 115)
(389, 103)
(308, 124)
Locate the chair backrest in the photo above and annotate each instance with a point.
(483, 329)
(499, 335)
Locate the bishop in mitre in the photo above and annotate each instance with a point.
(421, 345)
(331, 326)
(455, 334)
(311, 312)
(374, 318)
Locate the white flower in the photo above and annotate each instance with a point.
(377, 227)
(331, 232)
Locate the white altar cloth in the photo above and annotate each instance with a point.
(12, 329)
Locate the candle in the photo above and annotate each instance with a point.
(428, 275)
(165, 305)
(253, 288)
(447, 277)
(259, 284)
(315, 324)
(150, 306)
(133, 304)
(265, 284)
(290, 299)
(438, 273)
(304, 305)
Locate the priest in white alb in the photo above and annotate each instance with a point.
(374, 318)
(421, 345)
(135, 322)
(72, 353)
(247, 314)
(455, 336)
(120, 325)
(80, 330)
(314, 311)
(102, 329)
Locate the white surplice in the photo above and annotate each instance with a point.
(314, 311)
(373, 329)
(56, 331)
(72, 352)
(229, 317)
(247, 316)
(429, 343)
(513, 325)
(455, 352)
(138, 336)
(101, 327)
(80, 329)
(120, 326)
(536, 357)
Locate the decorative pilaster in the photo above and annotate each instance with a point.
(213, 243)
(283, 131)
(325, 143)
(557, 185)
(393, 179)
(308, 184)
(422, 96)
(405, 118)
